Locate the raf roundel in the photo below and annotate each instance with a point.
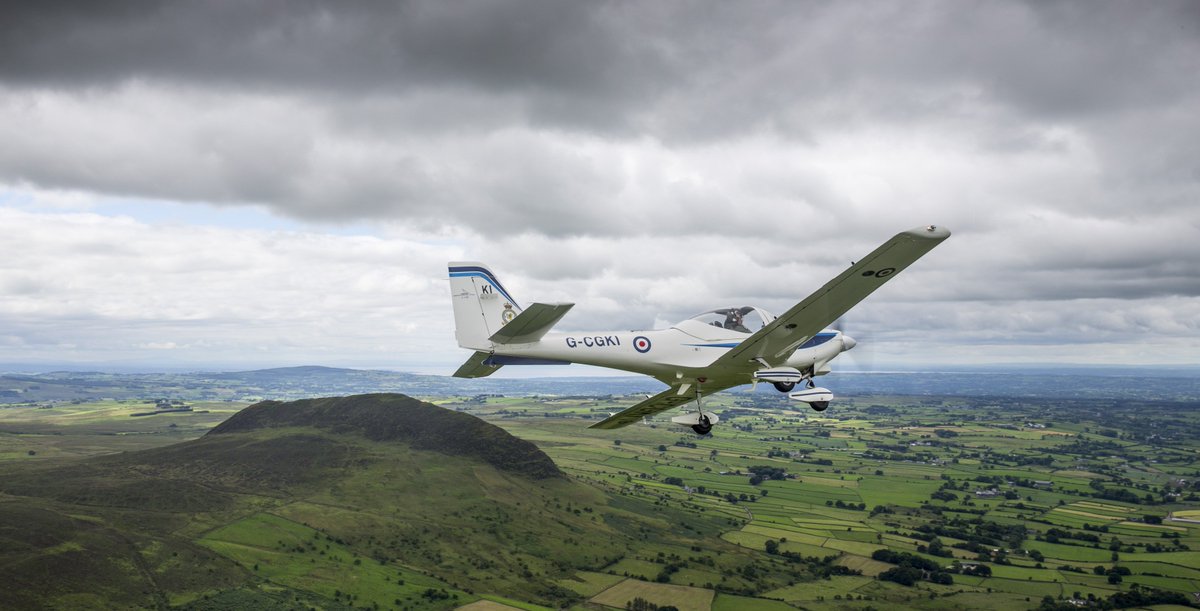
(641, 344)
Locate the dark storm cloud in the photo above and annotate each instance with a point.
(614, 65)
(618, 118)
(567, 55)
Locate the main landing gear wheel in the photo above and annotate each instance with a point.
(819, 406)
(784, 386)
(703, 427)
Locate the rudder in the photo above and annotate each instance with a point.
(481, 304)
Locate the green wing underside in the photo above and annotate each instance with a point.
(663, 401)
(775, 342)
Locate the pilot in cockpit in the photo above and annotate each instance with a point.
(734, 321)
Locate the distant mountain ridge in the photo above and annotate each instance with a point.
(395, 417)
(286, 383)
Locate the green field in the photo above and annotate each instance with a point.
(893, 466)
(657, 513)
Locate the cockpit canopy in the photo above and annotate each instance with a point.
(743, 319)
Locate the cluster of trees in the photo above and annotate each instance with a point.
(439, 594)
(1115, 574)
(840, 504)
(910, 568)
(976, 532)
(943, 495)
(1135, 597)
(764, 472)
(1121, 495)
(641, 604)
(821, 567)
(935, 548)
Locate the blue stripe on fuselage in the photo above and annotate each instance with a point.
(501, 359)
(816, 340)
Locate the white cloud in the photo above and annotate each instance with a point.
(114, 288)
(645, 160)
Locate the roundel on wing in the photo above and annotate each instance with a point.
(883, 273)
(641, 343)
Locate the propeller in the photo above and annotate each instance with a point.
(864, 353)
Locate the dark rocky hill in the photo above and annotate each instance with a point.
(395, 417)
(440, 497)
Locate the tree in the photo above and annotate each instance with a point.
(772, 546)
(903, 575)
(941, 578)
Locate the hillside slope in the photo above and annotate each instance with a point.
(393, 417)
(377, 497)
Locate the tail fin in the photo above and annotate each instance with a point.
(481, 304)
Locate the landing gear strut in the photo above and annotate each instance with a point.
(700, 421)
(703, 425)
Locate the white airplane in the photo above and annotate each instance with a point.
(704, 354)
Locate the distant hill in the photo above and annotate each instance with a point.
(299, 504)
(395, 417)
(288, 383)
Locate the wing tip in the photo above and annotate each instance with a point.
(928, 232)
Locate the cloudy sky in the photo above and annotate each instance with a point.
(230, 185)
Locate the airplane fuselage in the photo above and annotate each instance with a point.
(684, 351)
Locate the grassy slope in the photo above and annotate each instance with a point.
(327, 501)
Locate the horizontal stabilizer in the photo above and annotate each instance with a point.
(478, 366)
(531, 324)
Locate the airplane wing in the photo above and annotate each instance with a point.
(477, 366)
(672, 397)
(531, 324)
(776, 341)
